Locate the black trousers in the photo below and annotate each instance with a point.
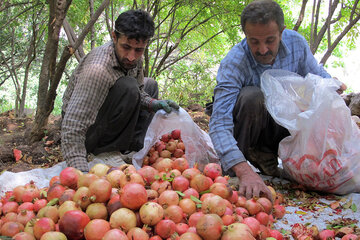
(121, 124)
(256, 132)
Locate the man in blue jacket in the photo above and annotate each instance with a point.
(240, 127)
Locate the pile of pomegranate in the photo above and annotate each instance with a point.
(165, 199)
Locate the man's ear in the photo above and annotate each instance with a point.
(114, 38)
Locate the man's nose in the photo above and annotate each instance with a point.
(131, 55)
(263, 49)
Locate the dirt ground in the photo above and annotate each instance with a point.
(47, 152)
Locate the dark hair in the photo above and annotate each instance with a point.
(135, 24)
(262, 11)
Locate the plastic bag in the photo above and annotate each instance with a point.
(198, 146)
(323, 150)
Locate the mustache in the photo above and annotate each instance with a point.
(264, 55)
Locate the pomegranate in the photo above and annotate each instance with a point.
(72, 224)
(276, 234)
(170, 146)
(53, 235)
(228, 219)
(176, 133)
(242, 212)
(100, 190)
(180, 183)
(9, 217)
(160, 186)
(114, 177)
(26, 206)
(151, 213)
(214, 204)
(191, 192)
(137, 234)
(263, 218)
(188, 206)
(180, 163)
(174, 213)
(99, 169)
(165, 228)
(38, 204)
(11, 228)
(133, 196)
(190, 173)
(55, 191)
(237, 231)
(96, 229)
(241, 201)
(54, 179)
(82, 197)
(86, 179)
(23, 236)
(164, 165)
(10, 207)
(69, 177)
(200, 183)
(181, 228)
(265, 204)
(189, 236)
(194, 218)
(179, 153)
(123, 218)
(115, 234)
(252, 206)
(67, 206)
(273, 192)
(253, 224)
(97, 211)
(234, 197)
(221, 179)
(24, 216)
(264, 233)
(42, 226)
(221, 190)
(349, 236)
(327, 234)
(68, 194)
(212, 170)
(148, 173)
(167, 198)
(113, 204)
(278, 211)
(132, 177)
(51, 212)
(210, 227)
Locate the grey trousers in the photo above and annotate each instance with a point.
(257, 134)
(121, 124)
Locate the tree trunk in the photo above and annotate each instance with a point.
(57, 13)
(47, 97)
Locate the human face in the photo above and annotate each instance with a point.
(263, 40)
(128, 51)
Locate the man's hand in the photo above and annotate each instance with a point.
(167, 105)
(251, 184)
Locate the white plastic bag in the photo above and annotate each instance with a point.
(198, 146)
(323, 150)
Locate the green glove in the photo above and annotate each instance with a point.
(167, 105)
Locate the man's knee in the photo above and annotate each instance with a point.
(250, 99)
(151, 87)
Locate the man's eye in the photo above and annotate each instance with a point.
(139, 49)
(126, 47)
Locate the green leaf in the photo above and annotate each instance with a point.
(353, 207)
(180, 193)
(195, 199)
(203, 192)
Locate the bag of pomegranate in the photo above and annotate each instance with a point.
(323, 150)
(176, 127)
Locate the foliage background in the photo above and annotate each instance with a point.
(188, 80)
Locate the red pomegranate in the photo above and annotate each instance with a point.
(72, 224)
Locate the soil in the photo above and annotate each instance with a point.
(47, 152)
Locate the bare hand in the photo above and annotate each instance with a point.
(251, 184)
